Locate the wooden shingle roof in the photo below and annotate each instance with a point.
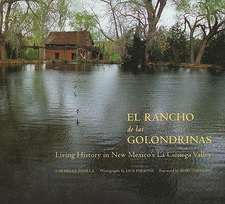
(80, 38)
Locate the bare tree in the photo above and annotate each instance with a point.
(205, 19)
(213, 26)
(134, 16)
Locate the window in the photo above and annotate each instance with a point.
(56, 55)
(73, 56)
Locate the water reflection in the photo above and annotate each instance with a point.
(38, 118)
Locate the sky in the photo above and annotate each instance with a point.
(169, 16)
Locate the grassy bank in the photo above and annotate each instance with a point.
(19, 61)
(149, 65)
(184, 65)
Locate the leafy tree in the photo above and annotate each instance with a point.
(63, 8)
(177, 41)
(30, 18)
(214, 53)
(83, 21)
(159, 45)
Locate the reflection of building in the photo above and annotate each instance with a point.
(2, 48)
(69, 46)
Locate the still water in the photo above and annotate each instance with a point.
(84, 109)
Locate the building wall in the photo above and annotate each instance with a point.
(61, 54)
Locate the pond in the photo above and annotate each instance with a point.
(44, 112)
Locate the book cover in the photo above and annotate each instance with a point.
(112, 101)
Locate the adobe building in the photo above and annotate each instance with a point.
(77, 45)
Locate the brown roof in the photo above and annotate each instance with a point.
(80, 38)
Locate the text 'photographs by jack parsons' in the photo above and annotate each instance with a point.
(112, 101)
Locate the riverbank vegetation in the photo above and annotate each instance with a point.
(124, 31)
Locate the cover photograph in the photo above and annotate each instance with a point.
(112, 102)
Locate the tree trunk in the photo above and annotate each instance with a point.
(151, 32)
(1, 18)
(192, 53)
(115, 22)
(201, 51)
(7, 17)
(154, 14)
